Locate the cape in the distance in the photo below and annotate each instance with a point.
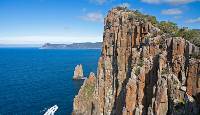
(84, 45)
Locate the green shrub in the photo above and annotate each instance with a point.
(152, 19)
(191, 35)
(146, 18)
(182, 101)
(137, 71)
(130, 16)
(141, 62)
(180, 105)
(168, 28)
(88, 90)
(164, 71)
(121, 8)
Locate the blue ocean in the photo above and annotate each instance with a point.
(33, 80)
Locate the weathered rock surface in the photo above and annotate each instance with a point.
(78, 72)
(83, 103)
(141, 72)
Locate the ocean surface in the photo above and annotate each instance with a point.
(33, 80)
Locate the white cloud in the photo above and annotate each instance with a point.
(93, 17)
(100, 2)
(181, 1)
(173, 11)
(197, 20)
(139, 9)
(31, 39)
(125, 5)
(151, 1)
(173, 2)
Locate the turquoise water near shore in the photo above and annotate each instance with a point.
(33, 80)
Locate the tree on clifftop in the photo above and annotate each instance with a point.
(168, 28)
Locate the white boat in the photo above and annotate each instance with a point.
(51, 110)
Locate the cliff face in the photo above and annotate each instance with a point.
(83, 101)
(142, 72)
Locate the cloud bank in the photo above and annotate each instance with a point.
(173, 2)
(128, 5)
(196, 20)
(100, 2)
(93, 17)
(173, 11)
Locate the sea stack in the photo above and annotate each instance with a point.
(141, 71)
(78, 72)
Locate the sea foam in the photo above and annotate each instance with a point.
(51, 110)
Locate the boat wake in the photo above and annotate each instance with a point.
(51, 110)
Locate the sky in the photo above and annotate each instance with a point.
(69, 21)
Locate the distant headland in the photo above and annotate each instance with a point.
(85, 45)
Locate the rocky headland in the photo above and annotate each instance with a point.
(78, 72)
(141, 71)
(85, 45)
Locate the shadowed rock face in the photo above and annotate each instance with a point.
(141, 72)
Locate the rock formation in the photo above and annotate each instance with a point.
(141, 72)
(85, 97)
(78, 72)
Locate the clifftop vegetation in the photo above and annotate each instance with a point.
(169, 28)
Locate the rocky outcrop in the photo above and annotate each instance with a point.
(83, 102)
(78, 72)
(143, 72)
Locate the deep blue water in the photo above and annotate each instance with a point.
(32, 80)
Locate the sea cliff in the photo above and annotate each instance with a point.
(141, 71)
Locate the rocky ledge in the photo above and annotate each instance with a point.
(141, 71)
(78, 72)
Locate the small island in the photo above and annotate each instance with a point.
(78, 73)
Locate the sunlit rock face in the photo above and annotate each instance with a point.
(142, 72)
(83, 102)
(78, 72)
